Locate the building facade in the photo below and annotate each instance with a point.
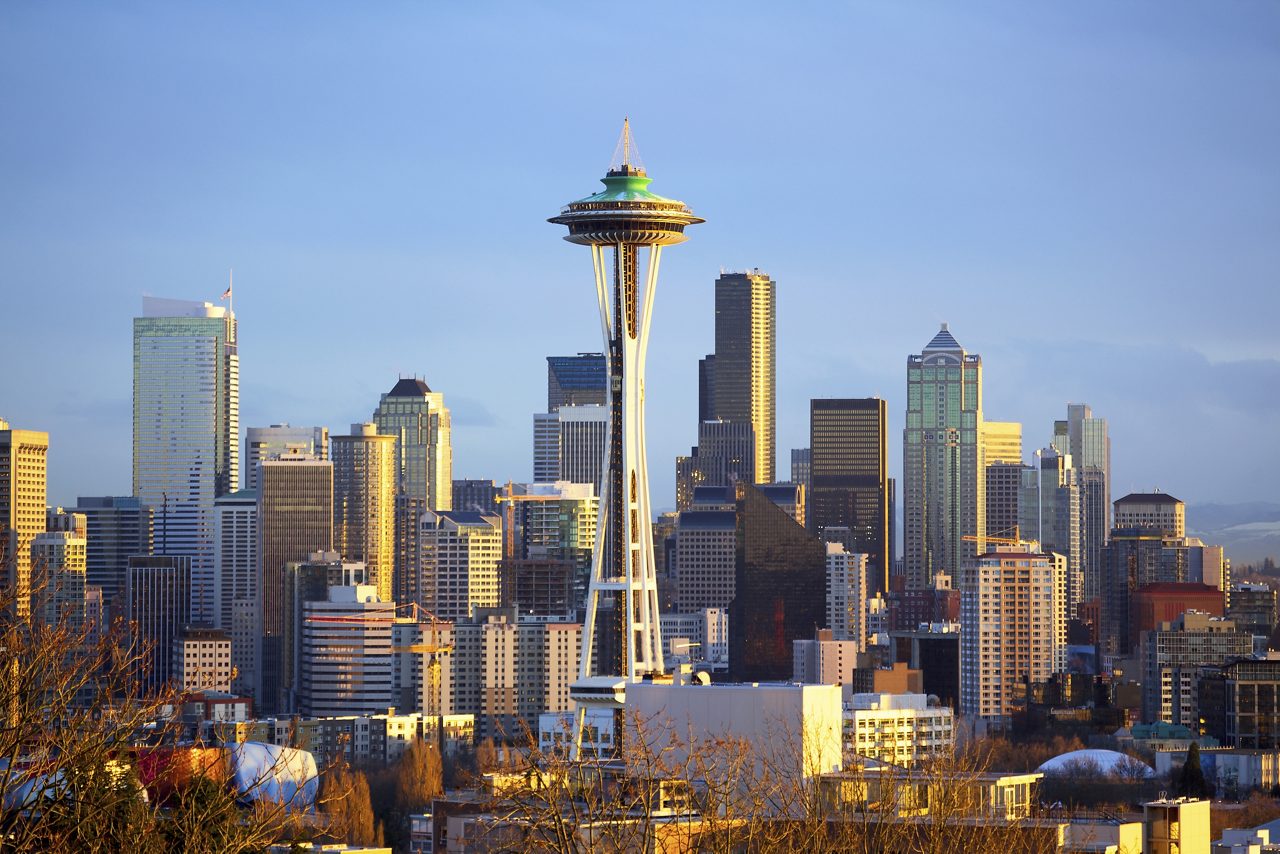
(364, 503)
(345, 662)
(1013, 628)
(745, 361)
(158, 592)
(116, 528)
(1172, 655)
(849, 476)
(461, 553)
(418, 419)
(186, 428)
(268, 443)
(23, 477)
(944, 482)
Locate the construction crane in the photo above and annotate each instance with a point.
(436, 649)
(1015, 540)
(509, 515)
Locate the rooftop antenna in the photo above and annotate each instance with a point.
(626, 159)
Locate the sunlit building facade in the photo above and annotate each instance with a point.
(23, 475)
(186, 428)
(944, 482)
(418, 419)
(364, 503)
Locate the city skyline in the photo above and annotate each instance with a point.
(1115, 214)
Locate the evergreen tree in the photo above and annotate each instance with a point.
(1191, 781)
(419, 778)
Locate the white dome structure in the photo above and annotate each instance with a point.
(1108, 761)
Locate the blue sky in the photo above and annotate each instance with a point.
(1088, 192)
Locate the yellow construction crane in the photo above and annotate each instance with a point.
(436, 649)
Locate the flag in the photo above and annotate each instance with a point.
(227, 293)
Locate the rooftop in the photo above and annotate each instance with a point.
(943, 341)
(1148, 498)
(409, 387)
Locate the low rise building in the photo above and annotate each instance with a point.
(901, 729)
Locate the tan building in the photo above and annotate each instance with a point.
(58, 568)
(1001, 442)
(1013, 627)
(364, 502)
(1152, 510)
(460, 553)
(202, 660)
(507, 672)
(23, 476)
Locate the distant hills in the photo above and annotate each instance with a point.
(1249, 531)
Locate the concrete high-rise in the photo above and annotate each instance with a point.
(265, 443)
(345, 653)
(239, 579)
(117, 528)
(1156, 510)
(849, 476)
(295, 518)
(23, 477)
(1013, 628)
(745, 361)
(1085, 438)
(418, 419)
(460, 556)
(943, 480)
(624, 225)
(1059, 519)
(186, 428)
(58, 564)
(364, 503)
(568, 444)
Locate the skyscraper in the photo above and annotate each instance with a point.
(117, 527)
(849, 478)
(58, 571)
(568, 444)
(576, 380)
(725, 454)
(745, 361)
(295, 518)
(1013, 628)
(416, 416)
(265, 443)
(158, 593)
(1085, 438)
(623, 221)
(460, 556)
(239, 581)
(23, 475)
(364, 503)
(780, 588)
(943, 482)
(186, 428)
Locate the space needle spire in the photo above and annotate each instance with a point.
(626, 227)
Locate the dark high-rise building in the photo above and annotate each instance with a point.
(158, 592)
(295, 519)
(476, 496)
(575, 381)
(780, 595)
(744, 370)
(117, 528)
(725, 454)
(1134, 558)
(849, 478)
(707, 388)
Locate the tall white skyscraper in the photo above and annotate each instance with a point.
(186, 429)
(238, 581)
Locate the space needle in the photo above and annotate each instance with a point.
(617, 224)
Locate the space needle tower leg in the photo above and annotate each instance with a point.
(625, 224)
